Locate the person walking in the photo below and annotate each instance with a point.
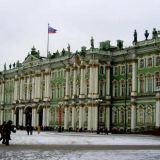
(28, 129)
(31, 130)
(8, 127)
(1, 129)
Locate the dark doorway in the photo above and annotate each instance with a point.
(29, 116)
(17, 117)
(40, 116)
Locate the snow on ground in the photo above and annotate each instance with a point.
(81, 155)
(21, 137)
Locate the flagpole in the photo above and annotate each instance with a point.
(48, 42)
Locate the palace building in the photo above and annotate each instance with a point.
(107, 87)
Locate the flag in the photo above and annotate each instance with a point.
(51, 30)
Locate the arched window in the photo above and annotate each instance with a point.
(129, 87)
(101, 70)
(149, 62)
(123, 91)
(148, 115)
(121, 115)
(115, 93)
(141, 84)
(140, 115)
(142, 63)
(129, 115)
(150, 83)
(114, 115)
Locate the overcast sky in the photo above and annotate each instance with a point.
(24, 23)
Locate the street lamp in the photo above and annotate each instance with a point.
(98, 101)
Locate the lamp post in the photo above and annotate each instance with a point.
(98, 101)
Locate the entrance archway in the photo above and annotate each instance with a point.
(28, 112)
(40, 114)
(17, 116)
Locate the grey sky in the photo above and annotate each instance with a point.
(23, 23)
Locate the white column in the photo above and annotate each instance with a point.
(73, 117)
(1, 118)
(158, 109)
(108, 118)
(66, 118)
(24, 119)
(48, 116)
(134, 79)
(28, 88)
(91, 79)
(67, 83)
(12, 116)
(14, 121)
(94, 120)
(108, 81)
(16, 88)
(33, 87)
(44, 116)
(21, 88)
(74, 79)
(95, 79)
(133, 116)
(47, 84)
(82, 80)
(89, 118)
(20, 117)
(38, 86)
(81, 119)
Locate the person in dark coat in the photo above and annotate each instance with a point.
(31, 130)
(8, 127)
(28, 129)
(1, 129)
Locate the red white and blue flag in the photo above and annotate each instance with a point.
(51, 30)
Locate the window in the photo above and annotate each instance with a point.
(130, 68)
(158, 61)
(149, 62)
(123, 70)
(116, 70)
(115, 89)
(141, 63)
(121, 116)
(157, 79)
(148, 117)
(101, 70)
(141, 115)
(123, 89)
(141, 84)
(130, 87)
(149, 84)
(115, 116)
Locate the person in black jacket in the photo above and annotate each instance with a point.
(8, 127)
(1, 129)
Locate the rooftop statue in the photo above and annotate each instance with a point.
(10, 66)
(69, 48)
(92, 43)
(146, 34)
(154, 33)
(5, 67)
(135, 36)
